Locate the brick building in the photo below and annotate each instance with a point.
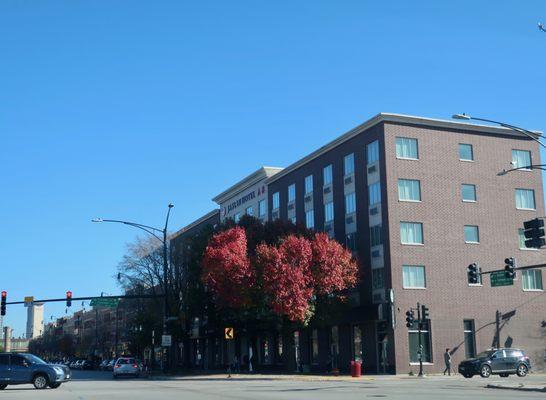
(417, 200)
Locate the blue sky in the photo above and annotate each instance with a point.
(116, 108)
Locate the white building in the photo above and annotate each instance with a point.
(35, 320)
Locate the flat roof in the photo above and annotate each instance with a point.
(253, 178)
(396, 118)
(194, 223)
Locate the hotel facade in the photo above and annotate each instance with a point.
(416, 200)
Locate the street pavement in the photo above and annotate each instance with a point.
(91, 385)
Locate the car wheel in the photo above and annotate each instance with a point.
(40, 381)
(3, 386)
(522, 370)
(504, 375)
(54, 385)
(485, 371)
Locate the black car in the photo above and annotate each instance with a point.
(20, 368)
(501, 362)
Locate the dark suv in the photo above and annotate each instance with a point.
(20, 368)
(501, 362)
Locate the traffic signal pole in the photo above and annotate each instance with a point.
(420, 353)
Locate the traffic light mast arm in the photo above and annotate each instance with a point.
(145, 296)
(516, 268)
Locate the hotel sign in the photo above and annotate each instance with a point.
(242, 200)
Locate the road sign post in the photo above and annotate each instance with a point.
(499, 278)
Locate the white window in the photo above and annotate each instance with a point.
(471, 234)
(531, 279)
(525, 199)
(521, 158)
(308, 184)
(409, 190)
(349, 164)
(292, 192)
(261, 208)
(276, 201)
(310, 219)
(329, 212)
(468, 192)
(350, 203)
(413, 277)
(407, 148)
(465, 152)
(374, 193)
(411, 232)
(237, 217)
(249, 211)
(372, 152)
(327, 174)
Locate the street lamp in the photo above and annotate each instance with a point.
(541, 27)
(163, 239)
(532, 135)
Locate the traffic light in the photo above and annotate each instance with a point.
(510, 267)
(3, 304)
(424, 313)
(534, 233)
(68, 298)
(473, 272)
(410, 318)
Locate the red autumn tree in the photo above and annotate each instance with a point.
(287, 278)
(226, 268)
(333, 266)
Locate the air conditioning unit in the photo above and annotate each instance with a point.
(291, 206)
(328, 227)
(373, 211)
(376, 253)
(349, 220)
(308, 199)
(327, 190)
(372, 169)
(348, 180)
(275, 214)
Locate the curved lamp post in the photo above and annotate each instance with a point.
(161, 235)
(541, 27)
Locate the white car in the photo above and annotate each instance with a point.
(126, 366)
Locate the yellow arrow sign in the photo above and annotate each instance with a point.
(229, 334)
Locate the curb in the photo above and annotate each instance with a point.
(518, 388)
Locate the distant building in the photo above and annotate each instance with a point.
(35, 320)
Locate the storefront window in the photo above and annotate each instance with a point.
(357, 343)
(425, 341)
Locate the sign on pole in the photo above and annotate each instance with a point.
(229, 334)
(499, 278)
(29, 300)
(166, 340)
(106, 303)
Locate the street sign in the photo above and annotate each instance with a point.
(229, 334)
(106, 303)
(166, 340)
(29, 300)
(499, 278)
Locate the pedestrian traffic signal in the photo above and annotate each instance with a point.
(3, 303)
(534, 233)
(473, 272)
(424, 313)
(68, 298)
(510, 267)
(410, 318)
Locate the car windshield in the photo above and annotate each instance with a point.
(485, 354)
(34, 360)
(126, 361)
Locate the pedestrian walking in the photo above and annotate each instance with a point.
(447, 360)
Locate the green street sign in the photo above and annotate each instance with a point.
(499, 278)
(106, 303)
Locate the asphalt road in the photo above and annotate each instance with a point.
(98, 385)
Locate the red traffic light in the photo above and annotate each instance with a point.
(4, 294)
(69, 294)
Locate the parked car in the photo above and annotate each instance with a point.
(110, 366)
(19, 368)
(87, 365)
(501, 362)
(126, 366)
(103, 365)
